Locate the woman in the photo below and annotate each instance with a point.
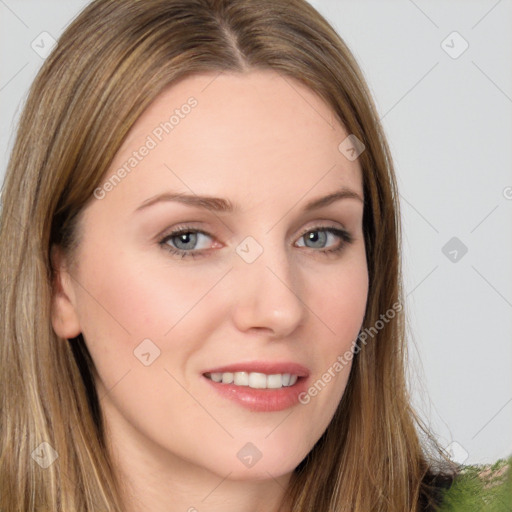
(201, 293)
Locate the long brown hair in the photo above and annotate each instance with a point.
(109, 65)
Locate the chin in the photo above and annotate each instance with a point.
(258, 473)
(272, 466)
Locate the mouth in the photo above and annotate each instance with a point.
(260, 386)
(254, 380)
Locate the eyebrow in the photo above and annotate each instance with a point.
(221, 205)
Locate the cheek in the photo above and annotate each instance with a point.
(338, 298)
(136, 296)
(129, 300)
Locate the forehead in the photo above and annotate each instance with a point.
(252, 134)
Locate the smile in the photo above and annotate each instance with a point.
(254, 380)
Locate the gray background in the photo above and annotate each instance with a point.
(448, 118)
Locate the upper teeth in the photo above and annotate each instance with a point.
(254, 379)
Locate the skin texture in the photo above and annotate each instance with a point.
(270, 145)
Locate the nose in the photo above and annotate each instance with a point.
(268, 294)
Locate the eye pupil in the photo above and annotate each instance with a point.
(318, 238)
(187, 239)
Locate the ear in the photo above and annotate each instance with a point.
(63, 313)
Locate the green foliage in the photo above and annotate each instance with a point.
(481, 488)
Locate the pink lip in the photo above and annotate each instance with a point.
(262, 400)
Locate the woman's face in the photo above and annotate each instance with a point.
(268, 287)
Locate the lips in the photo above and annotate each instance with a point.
(243, 384)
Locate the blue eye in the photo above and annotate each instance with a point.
(184, 241)
(319, 237)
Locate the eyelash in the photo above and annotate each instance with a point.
(345, 236)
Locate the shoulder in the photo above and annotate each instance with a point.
(480, 488)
